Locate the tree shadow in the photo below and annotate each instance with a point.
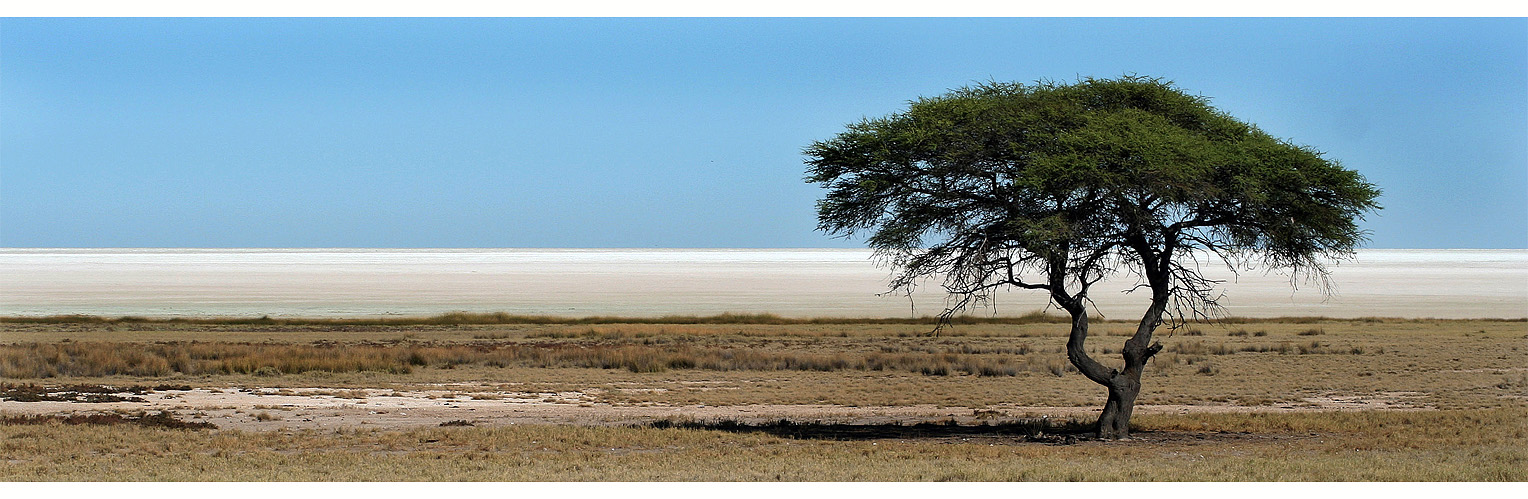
(1029, 430)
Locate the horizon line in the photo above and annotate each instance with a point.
(2, 248)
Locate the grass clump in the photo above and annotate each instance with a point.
(70, 393)
(161, 419)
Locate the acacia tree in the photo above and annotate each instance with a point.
(1055, 187)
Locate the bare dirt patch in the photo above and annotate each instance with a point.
(269, 409)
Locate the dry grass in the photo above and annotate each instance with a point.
(1472, 371)
(40, 360)
(1445, 364)
(1479, 445)
(615, 349)
(467, 318)
(459, 318)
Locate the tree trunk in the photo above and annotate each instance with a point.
(1124, 386)
(1114, 423)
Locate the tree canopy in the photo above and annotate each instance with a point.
(1055, 187)
(989, 185)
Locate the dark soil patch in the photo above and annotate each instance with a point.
(80, 393)
(161, 419)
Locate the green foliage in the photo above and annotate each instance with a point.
(1055, 186)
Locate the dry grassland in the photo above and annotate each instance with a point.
(1256, 398)
(1476, 445)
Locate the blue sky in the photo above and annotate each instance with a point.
(671, 132)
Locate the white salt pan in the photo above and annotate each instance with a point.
(578, 282)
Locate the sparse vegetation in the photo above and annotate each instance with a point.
(1465, 374)
(970, 365)
(602, 350)
(81, 393)
(159, 419)
(28, 361)
(461, 318)
(1474, 445)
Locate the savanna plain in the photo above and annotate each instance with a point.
(465, 397)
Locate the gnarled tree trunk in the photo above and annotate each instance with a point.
(1123, 385)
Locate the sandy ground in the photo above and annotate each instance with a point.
(268, 409)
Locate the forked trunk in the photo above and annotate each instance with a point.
(1124, 386)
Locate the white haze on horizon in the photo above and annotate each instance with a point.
(653, 282)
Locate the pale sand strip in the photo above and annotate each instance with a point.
(318, 409)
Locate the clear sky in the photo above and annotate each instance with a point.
(671, 132)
